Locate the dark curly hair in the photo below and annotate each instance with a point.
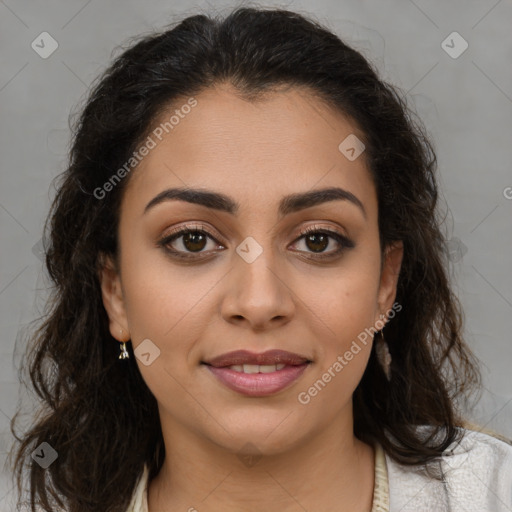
(88, 398)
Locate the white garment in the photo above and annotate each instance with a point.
(477, 477)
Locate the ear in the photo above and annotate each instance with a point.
(113, 299)
(389, 277)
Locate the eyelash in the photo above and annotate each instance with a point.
(344, 242)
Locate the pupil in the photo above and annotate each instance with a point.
(192, 239)
(317, 236)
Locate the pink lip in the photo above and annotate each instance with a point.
(265, 358)
(258, 384)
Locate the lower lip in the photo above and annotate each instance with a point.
(258, 384)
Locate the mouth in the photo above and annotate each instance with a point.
(265, 359)
(258, 375)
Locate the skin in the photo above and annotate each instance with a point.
(254, 152)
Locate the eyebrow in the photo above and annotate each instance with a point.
(288, 204)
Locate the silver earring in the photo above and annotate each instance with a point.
(124, 353)
(383, 355)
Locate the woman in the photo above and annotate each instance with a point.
(251, 308)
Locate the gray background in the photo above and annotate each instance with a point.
(465, 102)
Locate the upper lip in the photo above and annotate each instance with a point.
(240, 357)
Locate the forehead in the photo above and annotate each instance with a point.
(285, 142)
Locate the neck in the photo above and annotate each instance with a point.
(331, 470)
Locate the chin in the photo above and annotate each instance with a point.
(270, 434)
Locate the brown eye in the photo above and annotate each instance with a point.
(317, 242)
(194, 241)
(185, 242)
(190, 243)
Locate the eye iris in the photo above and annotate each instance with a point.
(190, 241)
(315, 237)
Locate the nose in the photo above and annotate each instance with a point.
(257, 293)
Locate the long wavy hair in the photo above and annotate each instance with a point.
(96, 412)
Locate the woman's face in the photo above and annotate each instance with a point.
(254, 282)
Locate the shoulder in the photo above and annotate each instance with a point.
(479, 444)
(475, 475)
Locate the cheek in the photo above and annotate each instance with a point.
(159, 296)
(345, 303)
(346, 308)
(164, 308)
(166, 304)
